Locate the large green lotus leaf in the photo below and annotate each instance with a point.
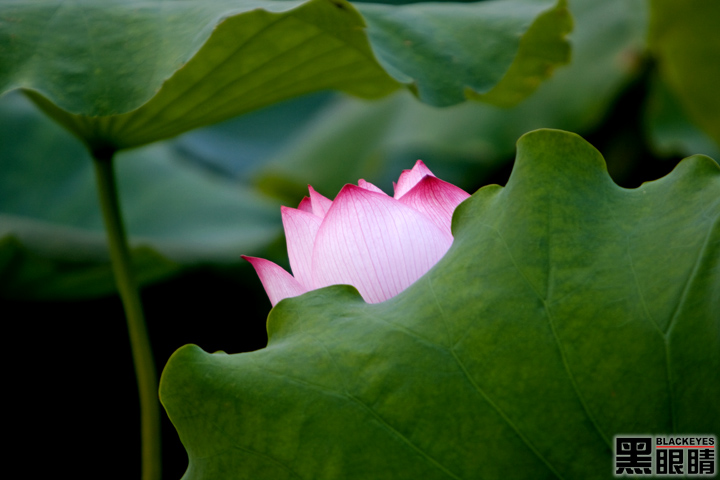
(351, 138)
(568, 310)
(52, 241)
(685, 37)
(125, 73)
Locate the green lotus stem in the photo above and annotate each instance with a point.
(139, 341)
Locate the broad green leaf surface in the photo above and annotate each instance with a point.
(568, 310)
(540, 50)
(121, 74)
(52, 242)
(685, 37)
(436, 48)
(353, 139)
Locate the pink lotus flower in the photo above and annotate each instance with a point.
(365, 238)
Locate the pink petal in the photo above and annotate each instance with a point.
(305, 205)
(320, 204)
(375, 243)
(369, 186)
(409, 178)
(277, 282)
(301, 228)
(435, 198)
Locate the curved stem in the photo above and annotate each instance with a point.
(139, 341)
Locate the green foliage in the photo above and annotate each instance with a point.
(568, 310)
(436, 48)
(68, 274)
(49, 208)
(539, 51)
(669, 129)
(51, 235)
(121, 74)
(685, 37)
(351, 138)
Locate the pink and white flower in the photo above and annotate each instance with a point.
(365, 238)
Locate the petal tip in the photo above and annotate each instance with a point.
(362, 183)
(409, 178)
(305, 205)
(278, 283)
